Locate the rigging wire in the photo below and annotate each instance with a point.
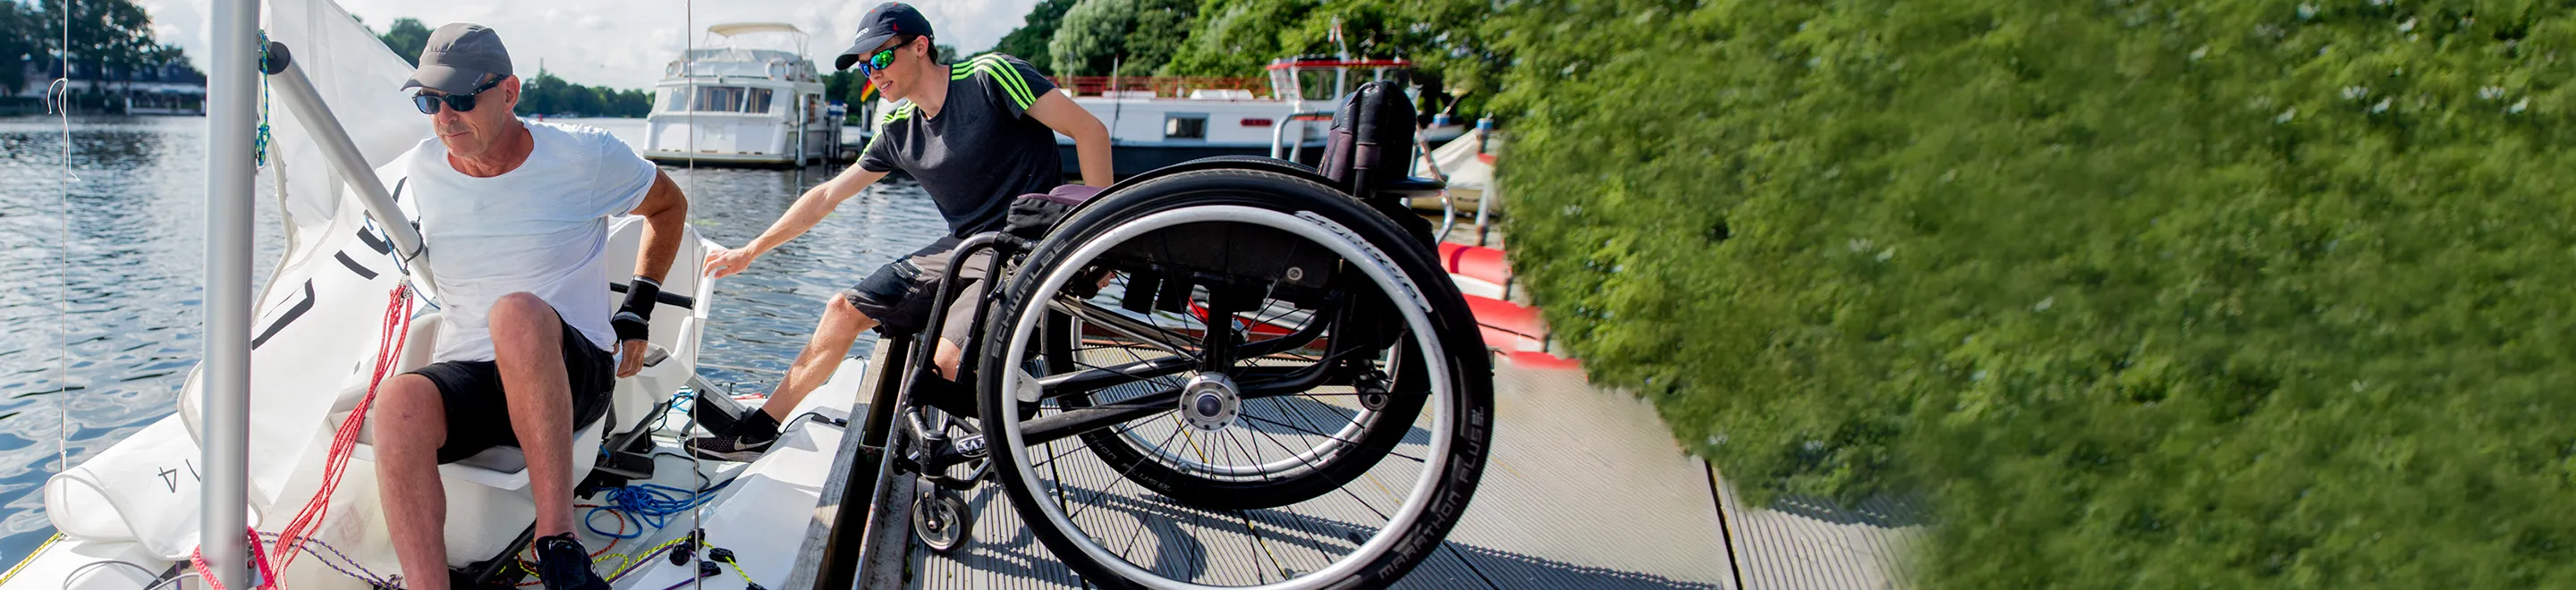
(688, 63)
(60, 91)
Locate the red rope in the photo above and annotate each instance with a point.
(389, 346)
(267, 575)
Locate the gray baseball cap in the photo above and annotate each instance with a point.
(459, 58)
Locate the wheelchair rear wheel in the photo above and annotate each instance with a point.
(1278, 387)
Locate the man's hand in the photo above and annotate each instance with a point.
(631, 361)
(726, 262)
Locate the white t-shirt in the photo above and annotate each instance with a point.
(540, 228)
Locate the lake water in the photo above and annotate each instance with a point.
(99, 320)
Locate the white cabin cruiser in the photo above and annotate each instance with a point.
(732, 102)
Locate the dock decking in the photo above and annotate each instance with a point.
(1585, 490)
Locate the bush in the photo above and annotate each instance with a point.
(2140, 294)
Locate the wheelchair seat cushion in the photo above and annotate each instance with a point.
(1033, 214)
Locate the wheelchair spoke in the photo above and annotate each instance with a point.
(1327, 436)
(1089, 501)
(1308, 297)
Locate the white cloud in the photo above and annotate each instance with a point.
(625, 43)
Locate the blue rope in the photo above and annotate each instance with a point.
(650, 506)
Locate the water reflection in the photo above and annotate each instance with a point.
(99, 320)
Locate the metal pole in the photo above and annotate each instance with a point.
(231, 97)
(306, 103)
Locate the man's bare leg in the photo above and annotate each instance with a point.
(823, 353)
(411, 423)
(946, 358)
(527, 346)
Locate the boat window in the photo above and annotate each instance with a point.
(719, 99)
(1185, 127)
(675, 100)
(725, 99)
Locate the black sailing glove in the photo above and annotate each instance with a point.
(634, 320)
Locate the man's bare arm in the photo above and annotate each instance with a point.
(801, 217)
(666, 212)
(1090, 138)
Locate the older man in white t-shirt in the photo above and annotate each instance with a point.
(516, 215)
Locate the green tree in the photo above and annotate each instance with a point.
(407, 37)
(1135, 36)
(547, 94)
(2224, 294)
(1037, 30)
(18, 45)
(1444, 38)
(110, 39)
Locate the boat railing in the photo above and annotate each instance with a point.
(1292, 151)
(1161, 86)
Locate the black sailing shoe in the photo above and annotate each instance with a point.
(746, 441)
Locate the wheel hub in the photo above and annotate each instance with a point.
(1210, 402)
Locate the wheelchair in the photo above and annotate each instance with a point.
(1234, 371)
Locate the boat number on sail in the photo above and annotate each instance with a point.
(170, 477)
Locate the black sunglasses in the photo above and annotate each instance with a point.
(463, 103)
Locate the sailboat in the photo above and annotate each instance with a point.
(255, 451)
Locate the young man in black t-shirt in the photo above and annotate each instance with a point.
(975, 135)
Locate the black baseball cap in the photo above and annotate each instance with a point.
(883, 22)
(459, 58)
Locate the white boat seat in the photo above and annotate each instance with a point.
(503, 467)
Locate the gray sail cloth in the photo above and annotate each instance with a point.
(459, 58)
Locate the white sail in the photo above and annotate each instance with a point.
(316, 328)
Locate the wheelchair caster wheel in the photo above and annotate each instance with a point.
(941, 519)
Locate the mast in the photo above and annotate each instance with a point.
(231, 100)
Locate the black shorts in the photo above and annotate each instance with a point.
(898, 295)
(478, 416)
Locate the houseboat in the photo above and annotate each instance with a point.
(735, 101)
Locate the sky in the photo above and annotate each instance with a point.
(626, 43)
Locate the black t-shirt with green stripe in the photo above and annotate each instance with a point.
(981, 151)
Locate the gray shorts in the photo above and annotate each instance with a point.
(899, 295)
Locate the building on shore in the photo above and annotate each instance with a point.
(174, 88)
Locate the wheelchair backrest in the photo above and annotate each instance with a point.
(1371, 142)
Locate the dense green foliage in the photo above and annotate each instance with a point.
(2234, 293)
(18, 44)
(1037, 30)
(546, 94)
(106, 36)
(111, 41)
(1235, 38)
(1119, 37)
(1445, 38)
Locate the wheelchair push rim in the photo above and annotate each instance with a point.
(1380, 272)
